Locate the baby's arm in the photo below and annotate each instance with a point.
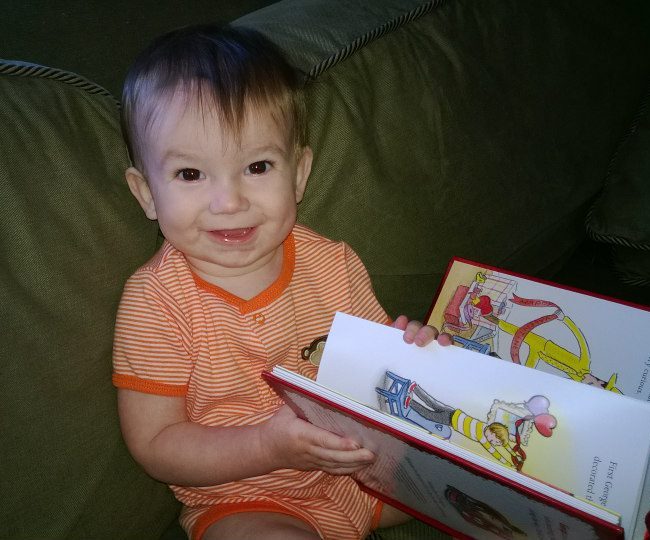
(176, 451)
(421, 335)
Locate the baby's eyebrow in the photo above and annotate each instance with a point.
(266, 149)
(178, 154)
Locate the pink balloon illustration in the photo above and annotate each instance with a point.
(538, 405)
(545, 424)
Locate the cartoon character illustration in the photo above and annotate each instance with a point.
(482, 515)
(476, 313)
(314, 352)
(406, 399)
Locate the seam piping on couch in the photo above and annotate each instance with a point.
(363, 40)
(631, 281)
(25, 69)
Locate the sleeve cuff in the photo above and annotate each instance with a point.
(130, 382)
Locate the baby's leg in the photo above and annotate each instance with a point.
(391, 516)
(266, 525)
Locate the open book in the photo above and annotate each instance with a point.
(571, 333)
(476, 446)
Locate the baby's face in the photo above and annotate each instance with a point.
(227, 203)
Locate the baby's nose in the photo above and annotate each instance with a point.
(227, 198)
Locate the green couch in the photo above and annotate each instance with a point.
(513, 133)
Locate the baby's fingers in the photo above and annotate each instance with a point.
(420, 334)
(423, 335)
(327, 440)
(338, 455)
(412, 331)
(416, 332)
(401, 322)
(341, 461)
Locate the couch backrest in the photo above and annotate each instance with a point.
(481, 130)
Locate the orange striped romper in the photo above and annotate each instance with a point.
(178, 335)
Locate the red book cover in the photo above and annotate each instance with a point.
(454, 494)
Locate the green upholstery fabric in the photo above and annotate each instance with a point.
(70, 234)
(100, 39)
(621, 215)
(412, 530)
(467, 131)
(478, 129)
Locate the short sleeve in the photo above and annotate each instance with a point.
(364, 301)
(151, 349)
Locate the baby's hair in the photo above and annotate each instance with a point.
(230, 69)
(500, 431)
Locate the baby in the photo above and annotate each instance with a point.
(215, 122)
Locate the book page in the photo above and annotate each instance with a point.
(591, 443)
(441, 492)
(553, 329)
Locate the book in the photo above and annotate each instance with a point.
(478, 447)
(571, 333)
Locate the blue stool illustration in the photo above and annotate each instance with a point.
(397, 398)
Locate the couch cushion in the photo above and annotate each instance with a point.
(459, 128)
(70, 234)
(101, 39)
(620, 216)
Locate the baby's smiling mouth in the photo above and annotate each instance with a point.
(233, 236)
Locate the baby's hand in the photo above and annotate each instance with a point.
(297, 444)
(421, 335)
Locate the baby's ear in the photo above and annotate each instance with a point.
(302, 172)
(140, 189)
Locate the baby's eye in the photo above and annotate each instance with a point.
(189, 175)
(259, 167)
